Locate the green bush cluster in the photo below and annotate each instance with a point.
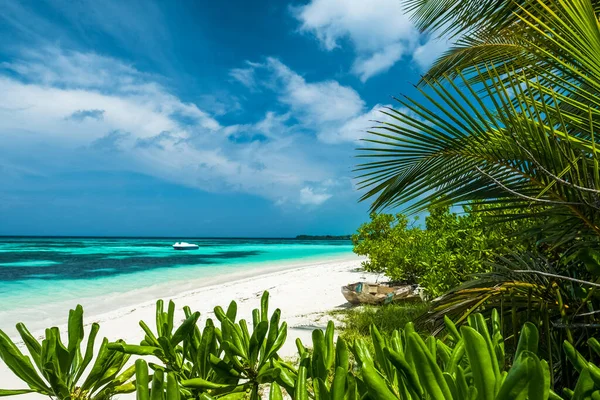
(234, 360)
(443, 253)
(357, 321)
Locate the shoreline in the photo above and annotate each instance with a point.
(183, 281)
(231, 281)
(305, 294)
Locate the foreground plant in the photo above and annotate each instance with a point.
(230, 363)
(214, 361)
(57, 370)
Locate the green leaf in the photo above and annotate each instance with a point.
(528, 340)
(377, 387)
(430, 375)
(405, 370)
(172, 387)
(279, 341)
(20, 365)
(275, 392)
(480, 360)
(89, 351)
(185, 329)
(12, 392)
(578, 361)
(141, 380)
(301, 389)
(137, 350)
(585, 385)
(75, 329)
(157, 391)
(341, 354)
(264, 306)
(257, 339)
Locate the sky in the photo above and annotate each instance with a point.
(195, 117)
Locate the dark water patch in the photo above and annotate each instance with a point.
(42, 244)
(82, 266)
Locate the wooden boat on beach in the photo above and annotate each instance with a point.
(377, 293)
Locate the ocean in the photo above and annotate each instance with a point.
(41, 276)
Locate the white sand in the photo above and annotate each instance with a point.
(304, 295)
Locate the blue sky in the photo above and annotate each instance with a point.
(194, 117)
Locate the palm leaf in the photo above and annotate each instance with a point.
(505, 139)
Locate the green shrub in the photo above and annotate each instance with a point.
(444, 253)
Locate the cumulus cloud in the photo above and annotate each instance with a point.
(335, 112)
(378, 62)
(316, 102)
(354, 128)
(380, 31)
(145, 128)
(425, 54)
(309, 197)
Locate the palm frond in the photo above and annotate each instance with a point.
(512, 138)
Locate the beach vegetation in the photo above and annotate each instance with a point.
(442, 254)
(61, 372)
(516, 131)
(356, 321)
(217, 361)
(508, 118)
(472, 361)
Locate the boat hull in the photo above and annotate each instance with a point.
(185, 247)
(374, 294)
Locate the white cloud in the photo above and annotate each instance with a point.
(309, 197)
(315, 102)
(147, 129)
(368, 24)
(428, 52)
(353, 129)
(378, 62)
(336, 113)
(380, 31)
(244, 75)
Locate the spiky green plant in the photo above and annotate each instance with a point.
(58, 370)
(216, 361)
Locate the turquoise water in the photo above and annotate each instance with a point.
(40, 272)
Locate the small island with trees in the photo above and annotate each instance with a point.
(324, 237)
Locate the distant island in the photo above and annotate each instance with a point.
(324, 237)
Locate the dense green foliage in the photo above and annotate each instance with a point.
(231, 362)
(509, 117)
(444, 253)
(514, 126)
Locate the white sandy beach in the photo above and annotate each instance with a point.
(304, 295)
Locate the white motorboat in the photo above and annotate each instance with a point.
(185, 246)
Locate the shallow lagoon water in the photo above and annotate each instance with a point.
(40, 276)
